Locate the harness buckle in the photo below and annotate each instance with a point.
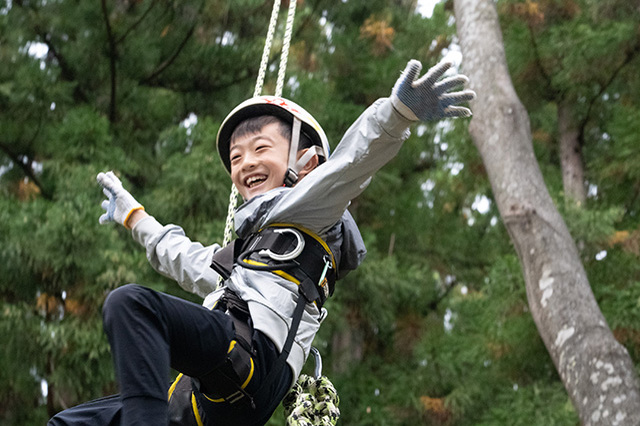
(290, 178)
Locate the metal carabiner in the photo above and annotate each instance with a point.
(318, 359)
(286, 256)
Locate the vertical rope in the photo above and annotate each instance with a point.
(228, 226)
(267, 48)
(285, 47)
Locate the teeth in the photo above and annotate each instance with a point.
(254, 179)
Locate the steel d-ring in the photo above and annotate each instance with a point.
(286, 256)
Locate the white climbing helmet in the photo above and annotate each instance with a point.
(290, 112)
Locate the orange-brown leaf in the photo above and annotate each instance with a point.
(380, 33)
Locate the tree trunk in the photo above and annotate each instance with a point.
(571, 156)
(596, 370)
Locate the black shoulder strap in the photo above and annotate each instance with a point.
(223, 260)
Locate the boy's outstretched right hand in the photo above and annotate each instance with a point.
(119, 203)
(428, 99)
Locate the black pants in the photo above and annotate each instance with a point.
(151, 332)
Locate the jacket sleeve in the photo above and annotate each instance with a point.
(319, 199)
(174, 255)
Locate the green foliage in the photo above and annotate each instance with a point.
(534, 405)
(434, 327)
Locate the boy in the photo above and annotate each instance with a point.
(234, 351)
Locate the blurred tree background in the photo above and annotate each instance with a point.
(434, 328)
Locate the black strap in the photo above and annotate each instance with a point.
(238, 310)
(288, 344)
(223, 260)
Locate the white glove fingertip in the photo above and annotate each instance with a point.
(457, 112)
(470, 94)
(435, 72)
(100, 178)
(104, 219)
(105, 205)
(411, 71)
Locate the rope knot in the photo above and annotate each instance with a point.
(312, 402)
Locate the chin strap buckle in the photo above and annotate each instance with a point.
(290, 178)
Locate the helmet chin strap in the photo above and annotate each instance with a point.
(294, 167)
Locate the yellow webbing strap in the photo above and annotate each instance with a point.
(173, 386)
(196, 413)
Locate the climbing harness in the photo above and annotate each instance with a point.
(225, 383)
(289, 251)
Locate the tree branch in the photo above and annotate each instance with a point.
(167, 62)
(135, 24)
(548, 93)
(630, 55)
(112, 63)
(66, 71)
(18, 160)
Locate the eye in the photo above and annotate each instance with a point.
(261, 147)
(235, 158)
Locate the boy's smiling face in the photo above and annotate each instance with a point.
(259, 161)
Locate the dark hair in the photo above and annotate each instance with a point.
(254, 125)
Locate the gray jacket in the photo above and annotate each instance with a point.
(318, 202)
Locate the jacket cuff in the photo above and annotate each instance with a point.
(145, 229)
(394, 123)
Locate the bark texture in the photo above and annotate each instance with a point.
(596, 370)
(571, 156)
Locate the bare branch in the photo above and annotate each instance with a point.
(135, 24)
(112, 63)
(66, 70)
(167, 62)
(18, 160)
(549, 93)
(631, 54)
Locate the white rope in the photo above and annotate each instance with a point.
(267, 48)
(285, 47)
(312, 401)
(233, 196)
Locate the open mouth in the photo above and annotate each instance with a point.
(255, 180)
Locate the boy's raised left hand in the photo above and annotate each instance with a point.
(427, 99)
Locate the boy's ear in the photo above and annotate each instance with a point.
(311, 164)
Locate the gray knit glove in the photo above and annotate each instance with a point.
(119, 203)
(428, 99)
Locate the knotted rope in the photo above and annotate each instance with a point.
(313, 401)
